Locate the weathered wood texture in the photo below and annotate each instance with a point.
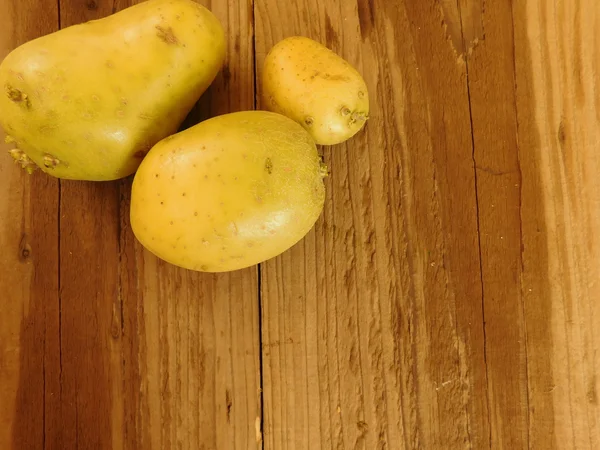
(558, 113)
(29, 266)
(380, 342)
(102, 345)
(447, 298)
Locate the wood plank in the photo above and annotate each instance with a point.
(28, 267)
(558, 113)
(489, 44)
(92, 334)
(163, 358)
(198, 352)
(372, 326)
(126, 352)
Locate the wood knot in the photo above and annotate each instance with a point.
(562, 134)
(362, 426)
(226, 74)
(24, 249)
(228, 404)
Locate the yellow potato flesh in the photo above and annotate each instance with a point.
(309, 83)
(88, 101)
(228, 193)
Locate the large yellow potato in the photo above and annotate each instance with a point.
(88, 101)
(317, 88)
(229, 192)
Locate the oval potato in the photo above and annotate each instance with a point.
(87, 102)
(228, 193)
(317, 88)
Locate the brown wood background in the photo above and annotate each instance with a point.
(448, 298)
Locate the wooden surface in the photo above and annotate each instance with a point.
(448, 297)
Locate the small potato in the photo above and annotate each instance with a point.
(312, 85)
(228, 193)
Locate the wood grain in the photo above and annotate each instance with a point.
(196, 380)
(91, 366)
(448, 297)
(121, 351)
(376, 316)
(29, 270)
(558, 112)
(491, 83)
(461, 115)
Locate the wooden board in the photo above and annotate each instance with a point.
(119, 350)
(558, 113)
(447, 298)
(477, 300)
(29, 266)
(490, 65)
(382, 331)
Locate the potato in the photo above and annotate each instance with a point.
(228, 193)
(89, 101)
(309, 83)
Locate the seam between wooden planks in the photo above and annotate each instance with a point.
(487, 383)
(259, 425)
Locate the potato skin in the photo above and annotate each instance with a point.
(228, 193)
(314, 86)
(87, 102)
